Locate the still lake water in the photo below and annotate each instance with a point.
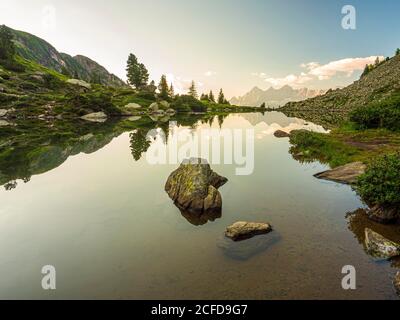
(104, 221)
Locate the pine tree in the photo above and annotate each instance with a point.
(377, 62)
(211, 97)
(137, 74)
(163, 88)
(7, 47)
(263, 106)
(171, 91)
(397, 51)
(193, 91)
(221, 97)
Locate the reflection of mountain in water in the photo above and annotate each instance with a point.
(273, 121)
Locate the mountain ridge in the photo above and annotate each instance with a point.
(36, 49)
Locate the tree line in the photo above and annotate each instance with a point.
(138, 78)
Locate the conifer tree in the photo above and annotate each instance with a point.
(171, 91)
(163, 88)
(193, 91)
(211, 97)
(137, 74)
(221, 97)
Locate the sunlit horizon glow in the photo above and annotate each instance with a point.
(229, 44)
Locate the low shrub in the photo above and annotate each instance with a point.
(94, 101)
(383, 114)
(380, 185)
(186, 103)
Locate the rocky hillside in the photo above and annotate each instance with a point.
(38, 50)
(274, 97)
(380, 83)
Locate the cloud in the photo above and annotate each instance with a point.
(210, 73)
(291, 80)
(345, 66)
(316, 71)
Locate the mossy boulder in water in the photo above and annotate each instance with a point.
(380, 247)
(194, 187)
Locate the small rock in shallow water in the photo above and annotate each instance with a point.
(245, 230)
(380, 247)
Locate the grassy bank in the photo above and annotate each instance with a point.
(344, 144)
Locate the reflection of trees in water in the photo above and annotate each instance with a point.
(139, 143)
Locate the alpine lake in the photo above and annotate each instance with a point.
(84, 198)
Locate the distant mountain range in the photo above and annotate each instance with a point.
(274, 98)
(38, 50)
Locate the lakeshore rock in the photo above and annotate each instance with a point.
(80, 83)
(194, 187)
(154, 107)
(396, 283)
(346, 174)
(95, 117)
(383, 215)
(245, 230)
(281, 134)
(380, 247)
(3, 112)
(130, 108)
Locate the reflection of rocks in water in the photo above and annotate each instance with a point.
(359, 222)
(244, 250)
(199, 219)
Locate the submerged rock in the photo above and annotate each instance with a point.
(245, 230)
(380, 247)
(281, 134)
(396, 283)
(347, 174)
(194, 187)
(95, 117)
(383, 215)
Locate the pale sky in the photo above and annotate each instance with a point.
(233, 44)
